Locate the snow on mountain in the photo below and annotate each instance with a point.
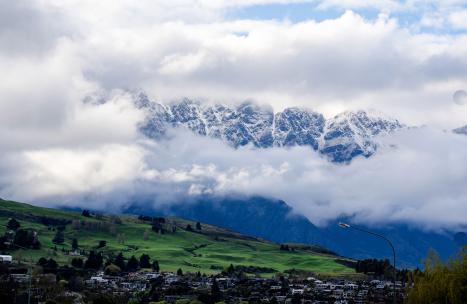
(295, 126)
(350, 134)
(340, 138)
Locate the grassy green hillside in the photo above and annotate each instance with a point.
(207, 251)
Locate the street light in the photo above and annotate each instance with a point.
(346, 226)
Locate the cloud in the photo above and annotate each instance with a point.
(176, 49)
(415, 179)
(458, 19)
(62, 145)
(344, 63)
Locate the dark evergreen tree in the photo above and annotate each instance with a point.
(215, 292)
(74, 244)
(157, 227)
(26, 238)
(51, 263)
(77, 262)
(231, 269)
(102, 299)
(179, 272)
(120, 261)
(155, 266)
(198, 226)
(3, 243)
(86, 213)
(94, 260)
(59, 237)
(42, 262)
(13, 224)
(189, 228)
(132, 264)
(144, 261)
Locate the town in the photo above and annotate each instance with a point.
(230, 286)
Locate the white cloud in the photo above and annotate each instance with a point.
(343, 63)
(416, 179)
(459, 19)
(383, 5)
(55, 148)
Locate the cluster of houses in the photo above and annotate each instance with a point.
(255, 290)
(236, 290)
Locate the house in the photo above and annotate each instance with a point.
(297, 291)
(97, 280)
(6, 259)
(21, 278)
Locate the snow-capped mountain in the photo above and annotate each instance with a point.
(340, 138)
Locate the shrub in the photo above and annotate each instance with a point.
(440, 283)
(112, 270)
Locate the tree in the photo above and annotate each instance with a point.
(48, 266)
(3, 240)
(157, 227)
(440, 282)
(42, 262)
(94, 260)
(77, 263)
(155, 266)
(13, 224)
(51, 263)
(198, 226)
(59, 237)
(26, 238)
(215, 292)
(120, 261)
(179, 272)
(74, 244)
(102, 299)
(86, 213)
(189, 228)
(75, 283)
(231, 269)
(144, 261)
(112, 270)
(102, 243)
(132, 264)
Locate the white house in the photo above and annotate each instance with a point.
(6, 259)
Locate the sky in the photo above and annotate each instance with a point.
(403, 58)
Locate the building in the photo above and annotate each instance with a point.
(6, 259)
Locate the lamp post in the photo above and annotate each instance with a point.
(347, 226)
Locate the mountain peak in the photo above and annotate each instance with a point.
(340, 138)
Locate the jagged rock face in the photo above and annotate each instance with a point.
(461, 130)
(340, 138)
(349, 134)
(295, 126)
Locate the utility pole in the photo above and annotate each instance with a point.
(346, 226)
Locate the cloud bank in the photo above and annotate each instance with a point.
(415, 179)
(60, 146)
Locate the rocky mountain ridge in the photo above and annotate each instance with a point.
(341, 138)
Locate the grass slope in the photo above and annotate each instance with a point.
(207, 251)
